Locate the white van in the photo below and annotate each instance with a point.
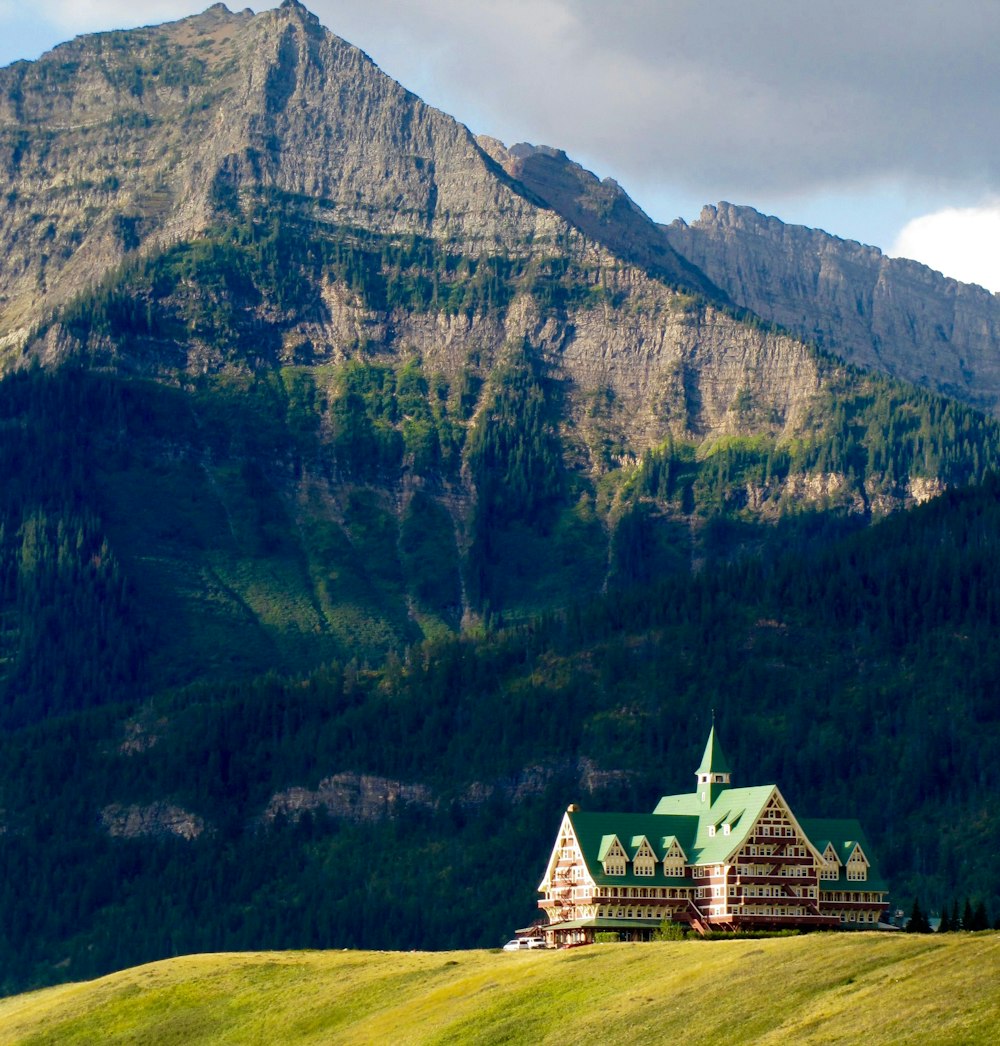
(523, 944)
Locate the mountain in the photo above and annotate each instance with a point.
(889, 314)
(332, 377)
(370, 487)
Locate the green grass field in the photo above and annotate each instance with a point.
(831, 988)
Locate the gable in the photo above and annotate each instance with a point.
(672, 849)
(566, 852)
(611, 847)
(777, 825)
(642, 850)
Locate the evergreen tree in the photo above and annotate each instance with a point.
(980, 920)
(968, 916)
(918, 921)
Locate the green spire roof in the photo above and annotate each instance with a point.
(713, 761)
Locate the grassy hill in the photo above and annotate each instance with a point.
(823, 988)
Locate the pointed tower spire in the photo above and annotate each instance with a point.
(713, 774)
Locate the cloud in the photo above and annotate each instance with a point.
(963, 243)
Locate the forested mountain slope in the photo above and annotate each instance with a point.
(273, 812)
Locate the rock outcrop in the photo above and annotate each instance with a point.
(117, 145)
(154, 821)
(118, 142)
(352, 797)
(601, 210)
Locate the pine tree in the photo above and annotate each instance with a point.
(968, 917)
(918, 921)
(980, 920)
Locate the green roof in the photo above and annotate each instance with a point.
(594, 832)
(873, 882)
(700, 830)
(845, 834)
(713, 761)
(607, 841)
(737, 807)
(676, 816)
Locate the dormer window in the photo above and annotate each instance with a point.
(613, 857)
(673, 858)
(857, 866)
(711, 831)
(644, 861)
(726, 829)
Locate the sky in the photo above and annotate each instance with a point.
(876, 120)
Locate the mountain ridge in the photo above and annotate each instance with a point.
(889, 314)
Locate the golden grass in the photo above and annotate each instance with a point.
(830, 988)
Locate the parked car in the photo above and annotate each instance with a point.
(523, 944)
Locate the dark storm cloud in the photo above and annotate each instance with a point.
(782, 96)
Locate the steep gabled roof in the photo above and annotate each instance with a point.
(737, 807)
(670, 840)
(680, 817)
(607, 842)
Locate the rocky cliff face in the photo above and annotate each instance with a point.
(893, 315)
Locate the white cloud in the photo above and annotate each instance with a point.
(961, 242)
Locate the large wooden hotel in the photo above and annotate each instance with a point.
(719, 858)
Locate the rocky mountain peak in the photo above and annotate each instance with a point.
(123, 142)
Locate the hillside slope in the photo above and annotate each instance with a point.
(834, 989)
